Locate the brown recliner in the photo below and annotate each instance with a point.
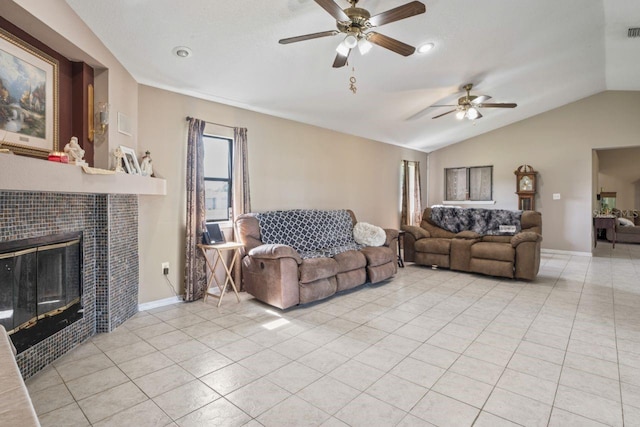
(277, 275)
(515, 256)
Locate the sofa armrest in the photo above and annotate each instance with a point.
(275, 252)
(525, 236)
(417, 232)
(392, 235)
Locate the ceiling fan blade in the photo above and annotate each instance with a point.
(480, 99)
(341, 60)
(503, 105)
(479, 116)
(391, 44)
(398, 13)
(444, 114)
(333, 9)
(308, 37)
(443, 105)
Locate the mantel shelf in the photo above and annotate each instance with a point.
(18, 173)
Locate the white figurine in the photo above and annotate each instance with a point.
(146, 166)
(119, 155)
(75, 152)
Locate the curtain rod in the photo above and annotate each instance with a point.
(213, 123)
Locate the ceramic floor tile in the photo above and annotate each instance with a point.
(464, 389)
(294, 376)
(528, 385)
(356, 374)
(477, 369)
(518, 409)
(205, 363)
(79, 368)
(264, 361)
(229, 378)
(257, 397)
(51, 398)
(630, 375)
(631, 416)
(488, 353)
(413, 421)
(397, 391)
(220, 413)
(589, 406)
(112, 340)
(48, 377)
(340, 395)
(378, 357)
(112, 401)
(367, 411)
(240, 349)
(70, 415)
(185, 399)
(161, 381)
(145, 414)
(536, 367)
(95, 383)
(185, 351)
(562, 418)
(323, 360)
(294, 348)
(151, 331)
(418, 372)
(485, 419)
(169, 339)
(144, 365)
(293, 412)
(443, 411)
(130, 352)
(589, 383)
(435, 355)
(593, 365)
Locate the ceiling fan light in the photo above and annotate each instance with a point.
(472, 113)
(342, 49)
(350, 41)
(364, 46)
(426, 47)
(460, 114)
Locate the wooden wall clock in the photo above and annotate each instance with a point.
(526, 187)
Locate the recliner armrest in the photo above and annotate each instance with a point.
(417, 232)
(525, 236)
(272, 251)
(392, 234)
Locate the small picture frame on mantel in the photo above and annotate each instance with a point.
(130, 161)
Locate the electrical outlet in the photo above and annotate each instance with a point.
(165, 268)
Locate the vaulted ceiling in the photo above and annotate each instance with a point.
(540, 54)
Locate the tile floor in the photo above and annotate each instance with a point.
(429, 348)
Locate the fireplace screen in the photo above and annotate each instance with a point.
(40, 286)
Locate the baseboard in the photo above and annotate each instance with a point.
(559, 252)
(158, 303)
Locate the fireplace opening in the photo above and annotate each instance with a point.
(40, 286)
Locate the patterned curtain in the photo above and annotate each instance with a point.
(241, 197)
(195, 272)
(411, 200)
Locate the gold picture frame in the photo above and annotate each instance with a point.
(29, 98)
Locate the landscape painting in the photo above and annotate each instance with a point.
(28, 95)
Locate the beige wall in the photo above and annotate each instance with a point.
(292, 165)
(619, 171)
(558, 144)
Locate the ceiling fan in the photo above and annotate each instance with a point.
(469, 105)
(356, 22)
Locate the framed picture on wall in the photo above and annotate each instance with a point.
(29, 111)
(130, 161)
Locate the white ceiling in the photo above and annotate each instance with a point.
(540, 54)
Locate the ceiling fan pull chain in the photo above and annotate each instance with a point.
(352, 81)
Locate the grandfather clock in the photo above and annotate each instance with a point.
(526, 187)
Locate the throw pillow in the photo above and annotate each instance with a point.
(368, 234)
(624, 222)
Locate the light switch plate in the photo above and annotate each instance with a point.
(556, 196)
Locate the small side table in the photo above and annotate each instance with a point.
(220, 249)
(604, 222)
(401, 234)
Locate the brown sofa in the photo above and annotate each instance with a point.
(626, 234)
(311, 259)
(516, 256)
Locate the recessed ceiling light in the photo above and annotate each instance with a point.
(182, 51)
(426, 47)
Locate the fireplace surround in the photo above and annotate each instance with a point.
(108, 224)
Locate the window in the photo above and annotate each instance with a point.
(474, 183)
(217, 177)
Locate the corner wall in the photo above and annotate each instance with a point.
(292, 165)
(558, 144)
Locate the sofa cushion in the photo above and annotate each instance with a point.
(378, 255)
(350, 260)
(493, 251)
(497, 239)
(317, 268)
(434, 246)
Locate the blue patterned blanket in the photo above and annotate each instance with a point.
(482, 221)
(312, 233)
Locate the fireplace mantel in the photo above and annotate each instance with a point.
(19, 173)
